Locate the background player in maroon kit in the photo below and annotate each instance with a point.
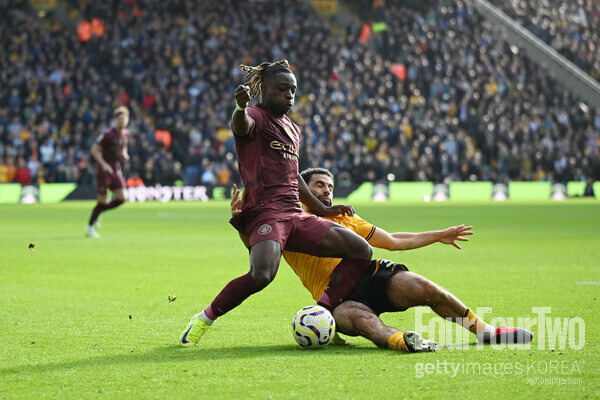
(108, 150)
(267, 144)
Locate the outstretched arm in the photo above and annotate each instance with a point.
(240, 120)
(315, 205)
(408, 241)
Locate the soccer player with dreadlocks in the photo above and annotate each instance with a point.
(267, 144)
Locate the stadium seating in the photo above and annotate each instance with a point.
(434, 94)
(570, 27)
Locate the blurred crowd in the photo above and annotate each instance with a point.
(468, 105)
(434, 94)
(570, 27)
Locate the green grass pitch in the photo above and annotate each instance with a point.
(84, 318)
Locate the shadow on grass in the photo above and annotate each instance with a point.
(81, 236)
(462, 346)
(175, 354)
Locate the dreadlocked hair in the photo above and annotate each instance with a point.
(255, 75)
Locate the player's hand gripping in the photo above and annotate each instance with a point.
(107, 168)
(339, 209)
(242, 95)
(236, 201)
(454, 233)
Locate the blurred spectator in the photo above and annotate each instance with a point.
(23, 175)
(589, 188)
(134, 181)
(208, 176)
(3, 172)
(149, 173)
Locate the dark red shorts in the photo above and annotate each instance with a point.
(295, 231)
(104, 180)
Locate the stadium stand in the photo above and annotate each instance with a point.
(434, 93)
(509, 119)
(570, 27)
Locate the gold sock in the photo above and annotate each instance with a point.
(396, 342)
(473, 323)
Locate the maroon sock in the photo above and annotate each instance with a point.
(209, 313)
(96, 212)
(342, 282)
(233, 295)
(114, 203)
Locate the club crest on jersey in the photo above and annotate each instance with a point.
(264, 229)
(289, 132)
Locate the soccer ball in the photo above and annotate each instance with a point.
(313, 327)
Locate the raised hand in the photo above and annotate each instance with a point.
(242, 95)
(456, 233)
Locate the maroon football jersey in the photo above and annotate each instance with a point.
(112, 144)
(268, 162)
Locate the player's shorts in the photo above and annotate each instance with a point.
(371, 290)
(294, 230)
(105, 181)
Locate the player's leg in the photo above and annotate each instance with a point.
(118, 200)
(356, 319)
(341, 242)
(264, 263)
(406, 289)
(117, 185)
(105, 181)
(98, 208)
(356, 254)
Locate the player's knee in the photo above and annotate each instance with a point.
(369, 251)
(347, 244)
(120, 196)
(363, 250)
(262, 278)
